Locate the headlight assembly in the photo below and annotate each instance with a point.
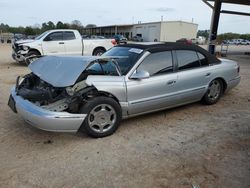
(25, 48)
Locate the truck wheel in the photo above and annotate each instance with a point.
(32, 56)
(98, 52)
(103, 116)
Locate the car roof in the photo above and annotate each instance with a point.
(153, 47)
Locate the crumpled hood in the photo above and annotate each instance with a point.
(62, 71)
(24, 41)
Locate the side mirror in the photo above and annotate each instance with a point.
(141, 74)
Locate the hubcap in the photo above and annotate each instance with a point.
(214, 90)
(102, 118)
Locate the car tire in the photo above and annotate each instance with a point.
(103, 116)
(98, 52)
(214, 92)
(31, 54)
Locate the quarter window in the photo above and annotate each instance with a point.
(203, 59)
(157, 63)
(68, 35)
(187, 59)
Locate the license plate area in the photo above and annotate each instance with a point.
(12, 104)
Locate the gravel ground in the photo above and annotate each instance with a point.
(204, 146)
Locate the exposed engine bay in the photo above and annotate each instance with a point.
(60, 91)
(58, 99)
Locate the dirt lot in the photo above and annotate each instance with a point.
(205, 146)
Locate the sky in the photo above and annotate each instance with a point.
(109, 12)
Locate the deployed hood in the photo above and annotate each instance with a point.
(62, 71)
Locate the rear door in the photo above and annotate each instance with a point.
(156, 92)
(193, 75)
(73, 45)
(53, 44)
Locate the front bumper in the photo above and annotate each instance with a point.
(45, 119)
(18, 57)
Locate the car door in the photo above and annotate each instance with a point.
(193, 75)
(156, 92)
(73, 45)
(53, 44)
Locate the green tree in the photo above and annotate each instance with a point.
(203, 33)
(29, 31)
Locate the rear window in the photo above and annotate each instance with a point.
(131, 55)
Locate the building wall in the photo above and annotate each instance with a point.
(148, 31)
(172, 31)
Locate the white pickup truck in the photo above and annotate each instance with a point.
(59, 42)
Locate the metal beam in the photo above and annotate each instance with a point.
(214, 26)
(235, 12)
(208, 4)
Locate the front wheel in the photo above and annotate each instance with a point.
(103, 116)
(214, 92)
(31, 56)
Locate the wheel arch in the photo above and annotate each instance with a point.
(34, 50)
(97, 48)
(223, 82)
(107, 94)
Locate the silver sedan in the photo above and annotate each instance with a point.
(93, 94)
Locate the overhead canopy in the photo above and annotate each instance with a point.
(240, 2)
(216, 16)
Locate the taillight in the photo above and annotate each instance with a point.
(113, 41)
(238, 68)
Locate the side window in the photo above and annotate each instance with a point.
(203, 59)
(157, 63)
(187, 59)
(68, 35)
(56, 36)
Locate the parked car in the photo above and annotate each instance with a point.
(59, 42)
(67, 94)
(185, 41)
(245, 42)
(137, 38)
(120, 39)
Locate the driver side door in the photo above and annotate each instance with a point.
(53, 44)
(156, 92)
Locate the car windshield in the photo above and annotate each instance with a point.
(40, 36)
(131, 54)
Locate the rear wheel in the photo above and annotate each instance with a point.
(214, 92)
(103, 116)
(98, 52)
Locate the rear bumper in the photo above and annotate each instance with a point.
(232, 83)
(45, 119)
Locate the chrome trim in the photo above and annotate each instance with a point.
(164, 96)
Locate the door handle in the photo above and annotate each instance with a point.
(208, 74)
(171, 82)
(61, 43)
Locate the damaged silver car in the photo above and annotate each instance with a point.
(67, 94)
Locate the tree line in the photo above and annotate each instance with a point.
(224, 36)
(37, 29)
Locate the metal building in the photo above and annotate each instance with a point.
(152, 31)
